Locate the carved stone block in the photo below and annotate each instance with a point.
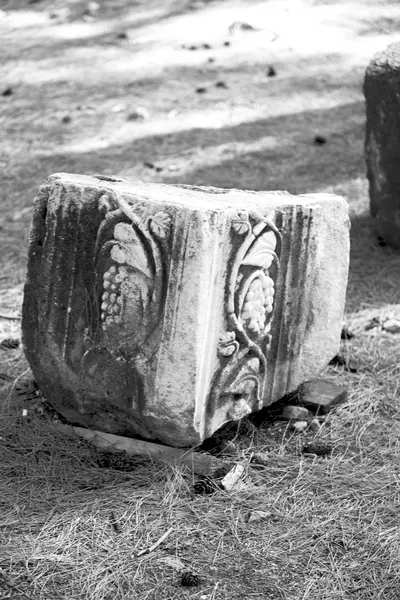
(382, 141)
(166, 311)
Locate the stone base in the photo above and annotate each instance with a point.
(166, 311)
(382, 144)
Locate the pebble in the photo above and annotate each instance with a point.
(92, 8)
(391, 326)
(300, 426)
(228, 447)
(320, 140)
(315, 425)
(271, 72)
(295, 413)
(139, 114)
(201, 90)
(259, 515)
(7, 92)
(260, 458)
(62, 13)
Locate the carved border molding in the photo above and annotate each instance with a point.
(249, 301)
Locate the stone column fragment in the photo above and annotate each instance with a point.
(166, 311)
(382, 142)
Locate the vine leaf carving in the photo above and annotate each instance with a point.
(241, 223)
(262, 253)
(228, 344)
(129, 249)
(160, 224)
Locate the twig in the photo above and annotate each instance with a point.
(10, 317)
(154, 546)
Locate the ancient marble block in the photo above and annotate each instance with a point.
(382, 142)
(166, 311)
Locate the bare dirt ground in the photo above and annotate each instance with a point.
(72, 79)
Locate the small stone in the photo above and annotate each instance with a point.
(271, 71)
(172, 561)
(227, 43)
(320, 140)
(138, 114)
(261, 458)
(295, 413)
(240, 26)
(211, 59)
(66, 119)
(61, 14)
(92, 8)
(391, 326)
(207, 47)
(321, 395)
(221, 84)
(8, 91)
(351, 366)
(117, 108)
(300, 426)
(320, 448)
(259, 515)
(201, 90)
(228, 447)
(315, 425)
(123, 35)
(233, 477)
(149, 164)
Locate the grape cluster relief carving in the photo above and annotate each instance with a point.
(250, 295)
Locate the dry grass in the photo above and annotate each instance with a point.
(72, 529)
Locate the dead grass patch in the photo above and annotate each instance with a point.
(70, 528)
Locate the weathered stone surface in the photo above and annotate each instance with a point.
(382, 143)
(321, 395)
(296, 413)
(150, 309)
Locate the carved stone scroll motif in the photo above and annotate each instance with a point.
(239, 384)
(131, 260)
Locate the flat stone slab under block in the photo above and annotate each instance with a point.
(166, 311)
